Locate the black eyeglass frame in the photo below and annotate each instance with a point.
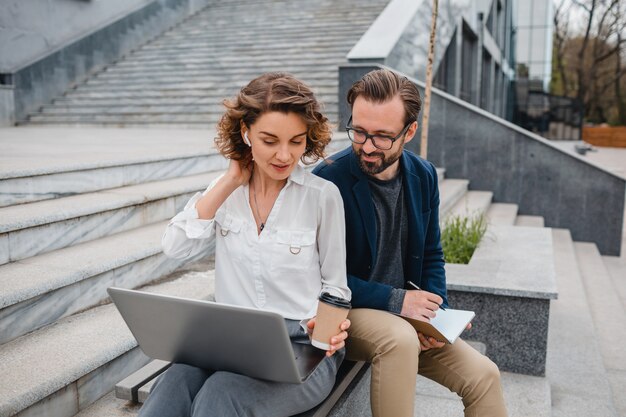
(349, 128)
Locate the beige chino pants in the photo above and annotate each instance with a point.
(391, 345)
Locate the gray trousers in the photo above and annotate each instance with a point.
(185, 390)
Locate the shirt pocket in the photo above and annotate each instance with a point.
(294, 250)
(229, 230)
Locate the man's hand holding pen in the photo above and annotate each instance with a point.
(422, 305)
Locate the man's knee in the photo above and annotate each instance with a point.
(399, 338)
(486, 376)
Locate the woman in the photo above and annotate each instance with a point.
(280, 241)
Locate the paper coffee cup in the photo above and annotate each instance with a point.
(331, 312)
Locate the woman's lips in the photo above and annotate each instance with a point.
(280, 168)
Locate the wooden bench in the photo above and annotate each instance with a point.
(136, 387)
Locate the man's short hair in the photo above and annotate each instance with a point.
(381, 85)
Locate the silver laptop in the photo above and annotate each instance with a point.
(215, 336)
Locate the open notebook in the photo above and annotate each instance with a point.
(447, 325)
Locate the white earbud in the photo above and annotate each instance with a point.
(246, 140)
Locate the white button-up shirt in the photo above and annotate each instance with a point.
(299, 254)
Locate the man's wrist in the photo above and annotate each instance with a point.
(396, 300)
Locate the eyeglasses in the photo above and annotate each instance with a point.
(382, 142)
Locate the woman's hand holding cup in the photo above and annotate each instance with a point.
(336, 342)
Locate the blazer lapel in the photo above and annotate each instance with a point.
(413, 198)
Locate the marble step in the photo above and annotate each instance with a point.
(529, 221)
(450, 192)
(44, 288)
(473, 203)
(279, 52)
(63, 368)
(235, 81)
(44, 226)
(607, 312)
(151, 108)
(203, 121)
(502, 214)
(185, 72)
(173, 96)
(432, 399)
(169, 80)
(616, 268)
(56, 162)
(193, 37)
(121, 119)
(224, 51)
(574, 367)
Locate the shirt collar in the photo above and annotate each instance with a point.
(297, 175)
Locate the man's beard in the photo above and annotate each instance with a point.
(384, 162)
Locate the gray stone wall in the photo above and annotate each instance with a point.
(517, 166)
(30, 29)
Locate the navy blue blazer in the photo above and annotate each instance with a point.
(424, 257)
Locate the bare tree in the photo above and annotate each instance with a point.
(588, 62)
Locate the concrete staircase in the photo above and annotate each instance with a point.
(181, 77)
(63, 347)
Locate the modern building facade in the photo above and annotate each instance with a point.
(478, 63)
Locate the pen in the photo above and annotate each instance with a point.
(419, 289)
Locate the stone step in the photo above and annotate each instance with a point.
(44, 288)
(441, 174)
(57, 162)
(63, 368)
(529, 221)
(450, 192)
(432, 399)
(115, 81)
(44, 226)
(194, 37)
(238, 82)
(121, 119)
(173, 96)
(502, 214)
(151, 108)
(183, 72)
(273, 53)
(472, 204)
(574, 368)
(138, 120)
(607, 312)
(218, 40)
(617, 271)
(117, 124)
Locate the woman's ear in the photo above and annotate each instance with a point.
(244, 134)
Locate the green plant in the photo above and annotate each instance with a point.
(460, 236)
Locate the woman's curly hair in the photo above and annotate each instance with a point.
(273, 91)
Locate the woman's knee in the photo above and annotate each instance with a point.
(219, 396)
(183, 377)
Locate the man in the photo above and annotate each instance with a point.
(391, 201)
